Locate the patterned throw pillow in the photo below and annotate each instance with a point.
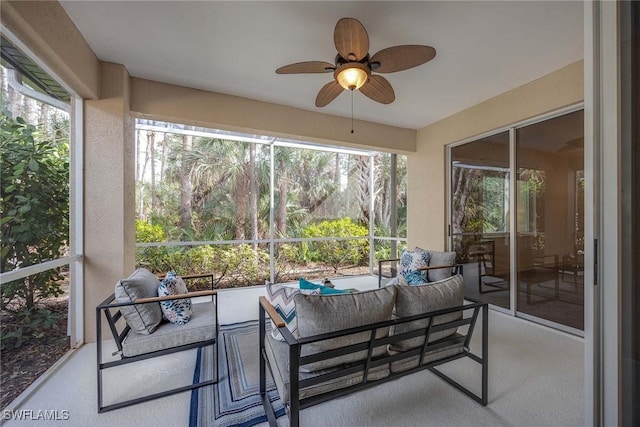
(324, 290)
(415, 278)
(411, 261)
(281, 298)
(175, 311)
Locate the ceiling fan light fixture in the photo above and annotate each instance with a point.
(352, 75)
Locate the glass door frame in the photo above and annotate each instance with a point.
(513, 304)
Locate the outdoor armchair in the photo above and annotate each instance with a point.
(135, 345)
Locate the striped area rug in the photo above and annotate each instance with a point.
(235, 400)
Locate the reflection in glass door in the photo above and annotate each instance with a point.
(550, 220)
(480, 217)
(547, 199)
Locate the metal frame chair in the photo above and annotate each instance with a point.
(119, 331)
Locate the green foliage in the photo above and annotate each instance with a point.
(246, 265)
(152, 258)
(210, 189)
(28, 323)
(290, 252)
(148, 233)
(240, 264)
(35, 209)
(337, 253)
(382, 249)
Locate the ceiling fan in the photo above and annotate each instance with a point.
(353, 64)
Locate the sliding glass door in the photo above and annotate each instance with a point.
(517, 219)
(480, 217)
(550, 220)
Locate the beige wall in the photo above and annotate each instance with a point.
(427, 224)
(185, 105)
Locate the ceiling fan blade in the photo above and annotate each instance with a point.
(351, 39)
(307, 67)
(379, 89)
(328, 93)
(398, 58)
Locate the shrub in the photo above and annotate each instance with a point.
(27, 323)
(154, 259)
(337, 253)
(35, 209)
(245, 266)
(34, 202)
(148, 233)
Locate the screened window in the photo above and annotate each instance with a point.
(255, 208)
(38, 222)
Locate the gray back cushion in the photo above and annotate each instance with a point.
(329, 313)
(142, 318)
(440, 258)
(413, 300)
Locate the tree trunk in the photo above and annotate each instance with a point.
(44, 122)
(362, 183)
(283, 189)
(143, 172)
(185, 184)
(11, 99)
(241, 209)
(461, 179)
(151, 147)
(163, 157)
(336, 172)
(253, 194)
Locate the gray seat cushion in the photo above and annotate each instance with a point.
(414, 300)
(141, 318)
(278, 356)
(201, 327)
(329, 313)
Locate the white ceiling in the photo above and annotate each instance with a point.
(483, 48)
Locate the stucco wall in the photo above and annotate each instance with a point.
(168, 102)
(426, 206)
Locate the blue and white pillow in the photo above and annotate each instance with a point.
(411, 261)
(415, 278)
(281, 298)
(175, 311)
(324, 290)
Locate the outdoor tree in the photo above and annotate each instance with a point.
(219, 189)
(35, 215)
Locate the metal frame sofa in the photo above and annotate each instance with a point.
(349, 342)
(136, 340)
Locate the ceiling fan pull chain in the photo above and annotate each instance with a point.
(351, 111)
